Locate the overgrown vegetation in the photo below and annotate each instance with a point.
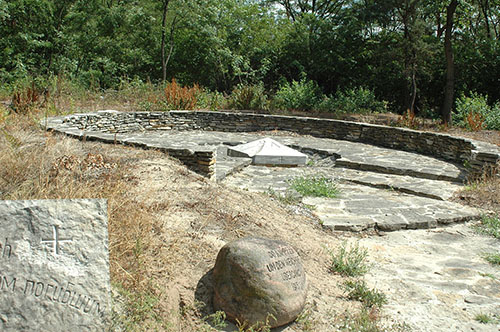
(302, 51)
(303, 95)
(248, 97)
(474, 113)
(359, 100)
(181, 98)
(349, 261)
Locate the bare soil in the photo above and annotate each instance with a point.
(167, 225)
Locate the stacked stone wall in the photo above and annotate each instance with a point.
(475, 155)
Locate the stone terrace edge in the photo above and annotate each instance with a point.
(475, 155)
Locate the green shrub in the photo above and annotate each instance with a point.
(474, 113)
(350, 262)
(358, 100)
(248, 97)
(211, 100)
(304, 95)
(358, 290)
(493, 119)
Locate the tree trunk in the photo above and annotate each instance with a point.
(163, 23)
(171, 42)
(484, 8)
(450, 66)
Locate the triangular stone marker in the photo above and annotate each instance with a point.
(267, 151)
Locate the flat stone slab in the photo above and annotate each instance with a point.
(435, 280)
(267, 151)
(436, 189)
(54, 261)
(358, 207)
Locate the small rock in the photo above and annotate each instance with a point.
(258, 280)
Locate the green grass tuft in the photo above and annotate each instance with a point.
(485, 318)
(217, 319)
(492, 258)
(490, 225)
(315, 186)
(285, 198)
(349, 261)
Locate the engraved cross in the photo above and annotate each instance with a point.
(56, 240)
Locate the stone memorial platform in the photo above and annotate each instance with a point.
(54, 265)
(389, 178)
(267, 151)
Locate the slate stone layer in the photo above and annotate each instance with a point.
(475, 155)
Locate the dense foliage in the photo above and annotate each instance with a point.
(303, 50)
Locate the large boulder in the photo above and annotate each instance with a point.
(259, 280)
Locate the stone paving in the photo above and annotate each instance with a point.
(361, 207)
(380, 188)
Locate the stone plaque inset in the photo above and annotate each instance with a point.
(54, 265)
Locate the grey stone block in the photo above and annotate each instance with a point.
(54, 265)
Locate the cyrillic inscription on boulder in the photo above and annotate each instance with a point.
(54, 265)
(259, 280)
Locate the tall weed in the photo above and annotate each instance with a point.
(248, 97)
(181, 98)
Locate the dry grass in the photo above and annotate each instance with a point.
(484, 192)
(166, 224)
(178, 97)
(38, 165)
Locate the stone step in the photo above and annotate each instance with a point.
(440, 174)
(362, 208)
(435, 189)
(226, 165)
(381, 160)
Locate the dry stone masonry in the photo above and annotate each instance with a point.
(475, 155)
(422, 171)
(259, 280)
(54, 266)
